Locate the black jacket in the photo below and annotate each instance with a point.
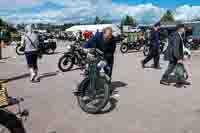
(155, 39)
(108, 48)
(174, 50)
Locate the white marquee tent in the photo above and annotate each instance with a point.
(94, 28)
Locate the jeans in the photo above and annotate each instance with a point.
(31, 58)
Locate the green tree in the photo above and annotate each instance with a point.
(128, 20)
(1, 22)
(97, 20)
(167, 17)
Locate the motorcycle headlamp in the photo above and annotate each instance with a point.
(68, 46)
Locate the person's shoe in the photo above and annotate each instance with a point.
(184, 82)
(142, 64)
(155, 67)
(158, 67)
(164, 82)
(35, 79)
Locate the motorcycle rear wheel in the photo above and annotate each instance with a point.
(19, 50)
(50, 51)
(84, 96)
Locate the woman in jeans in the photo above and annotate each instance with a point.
(30, 42)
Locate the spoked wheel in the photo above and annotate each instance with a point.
(4, 129)
(93, 100)
(124, 48)
(146, 50)
(20, 50)
(65, 63)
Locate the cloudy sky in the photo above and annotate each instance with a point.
(63, 11)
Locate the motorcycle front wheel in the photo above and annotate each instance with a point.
(20, 50)
(3, 129)
(10, 123)
(93, 102)
(66, 63)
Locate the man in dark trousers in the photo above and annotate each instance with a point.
(174, 54)
(154, 51)
(105, 42)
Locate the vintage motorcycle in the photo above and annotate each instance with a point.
(46, 46)
(93, 93)
(136, 45)
(11, 122)
(74, 56)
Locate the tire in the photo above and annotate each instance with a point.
(19, 50)
(50, 51)
(10, 123)
(63, 60)
(124, 48)
(146, 50)
(83, 89)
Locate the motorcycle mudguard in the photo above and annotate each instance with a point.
(69, 54)
(7, 116)
(80, 87)
(103, 75)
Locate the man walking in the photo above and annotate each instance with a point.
(31, 43)
(154, 52)
(175, 55)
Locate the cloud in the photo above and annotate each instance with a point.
(57, 11)
(187, 12)
(143, 13)
(5, 4)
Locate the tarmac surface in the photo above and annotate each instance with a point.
(141, 106)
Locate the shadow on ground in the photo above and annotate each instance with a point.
(118, 84)
(5, 58)
(50, 74)
(26, 75)
(74, 69)
(15, 78)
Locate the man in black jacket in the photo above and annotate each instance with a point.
(105, 42)
(154, 52)
(174, 54)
